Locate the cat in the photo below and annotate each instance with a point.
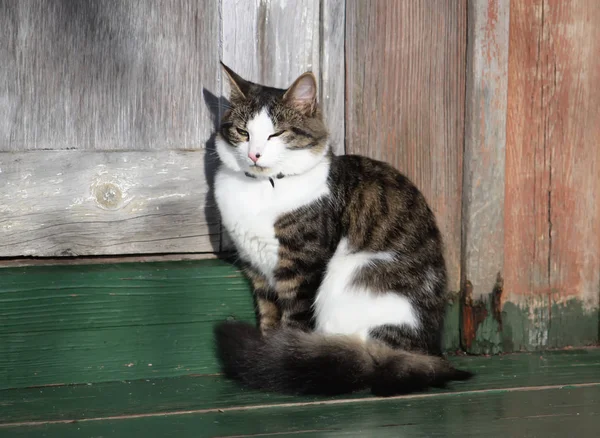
(343, 253)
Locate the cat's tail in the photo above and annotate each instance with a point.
(310, 363)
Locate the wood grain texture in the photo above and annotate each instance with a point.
(485, 144)
(76, 402)
(107, 74)
(82, 324)
(484, 171)
(67, 203)
(552, 217)
(333, 70)
(273, 42)
(405, 90)
(550, 412)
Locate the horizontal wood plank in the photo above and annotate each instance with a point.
(551, 412)
(107, 74)
(73, 203)
(54, 299)
(84, 356)
(142, 397)
(76, 324)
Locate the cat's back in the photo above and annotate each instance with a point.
(380, 204)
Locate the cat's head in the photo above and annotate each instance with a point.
(270, 131)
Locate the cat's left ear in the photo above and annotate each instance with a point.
(302, 94)
(238, 86)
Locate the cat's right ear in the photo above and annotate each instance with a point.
(238, 86)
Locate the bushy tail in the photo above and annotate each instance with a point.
(310, 363)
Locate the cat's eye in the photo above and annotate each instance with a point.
(277, 134)
(243, 132)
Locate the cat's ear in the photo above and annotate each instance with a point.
(239, 86)
(302, 95)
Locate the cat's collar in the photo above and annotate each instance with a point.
(278, 176)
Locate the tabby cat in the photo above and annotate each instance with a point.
(343, 252)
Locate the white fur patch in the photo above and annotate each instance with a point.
(344, 308)
(259, 128)
(249, 208)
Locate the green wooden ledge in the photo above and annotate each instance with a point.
(542, 393)
(96, 323)
(126, 350)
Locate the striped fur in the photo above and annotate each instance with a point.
(343, 252)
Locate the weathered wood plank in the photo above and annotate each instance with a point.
(551, 412)
(552, 217)
(271, 42)
(483, 173)
(405, 98)
(333, 70)
(81, 324)
(107, 74)
(65, 203)
(100, 355)
(76, 402)
(274, 42)
(107, 260)
(45, 299)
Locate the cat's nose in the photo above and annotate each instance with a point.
(253, 157)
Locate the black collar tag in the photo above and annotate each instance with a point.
(278, 176)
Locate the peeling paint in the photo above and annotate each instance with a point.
(473, 314)
(572, 324)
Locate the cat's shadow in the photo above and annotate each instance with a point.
(219, 241)
(221, 248)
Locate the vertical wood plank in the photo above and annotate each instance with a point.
(552, 217)
(405, 98)
(483, 177)
(273, 42)
(107, 74)
(333, 74)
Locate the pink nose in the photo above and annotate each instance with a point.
(253, 157)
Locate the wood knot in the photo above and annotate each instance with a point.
(108, 195)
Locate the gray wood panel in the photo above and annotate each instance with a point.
(333, 71)
(67, 203)
(107, 74)
(273, 42)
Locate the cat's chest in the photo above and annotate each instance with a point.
(250, 222)
(250, 209)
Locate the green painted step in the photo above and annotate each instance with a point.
(548, 412)
(93, 323)
(152, 396)
(97, 323)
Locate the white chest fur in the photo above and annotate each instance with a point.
(250, 207)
